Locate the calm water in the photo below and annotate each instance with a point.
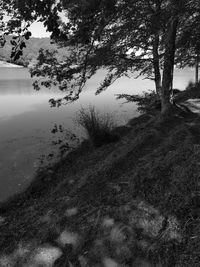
(26, 119)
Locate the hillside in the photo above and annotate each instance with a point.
(30, 53)
(133, 202)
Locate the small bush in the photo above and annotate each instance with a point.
(192, 85)
(192, 91)
(98, 127)
(148, 102)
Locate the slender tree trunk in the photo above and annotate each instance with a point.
(197, 69)
(168, 64)
(156, 64)
(156, 43)
(171, 87)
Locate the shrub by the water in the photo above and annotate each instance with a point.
(148, 102)
(98, 126)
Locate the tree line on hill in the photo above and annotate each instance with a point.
(30, 52)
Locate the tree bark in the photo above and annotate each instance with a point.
(156, 44)
(170, 46)
(197, 69)
(156, 64)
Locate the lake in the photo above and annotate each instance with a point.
(26, 119)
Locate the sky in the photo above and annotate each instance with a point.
(37, 29)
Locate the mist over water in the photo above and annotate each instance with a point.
(26, 119)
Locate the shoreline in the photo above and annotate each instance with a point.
(4, 64)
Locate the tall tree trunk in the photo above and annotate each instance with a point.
(156, 42)
(197, 69)
(170, 45)
(156, 63)
(171, 87)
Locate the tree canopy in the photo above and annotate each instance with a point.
(121, 36)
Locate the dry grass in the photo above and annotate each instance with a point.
(98, 126)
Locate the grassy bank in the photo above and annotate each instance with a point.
(135, 198)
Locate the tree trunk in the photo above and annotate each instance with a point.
(170, 46)
(197, 69)
(156, 64)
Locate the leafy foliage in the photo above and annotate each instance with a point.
(15, 26)
(188, 44)
(53, 72)
(65, 140)
(192, 85)
(192, 91)
(62, 143)
(148, 102)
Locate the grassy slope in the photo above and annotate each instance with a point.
(158, 162)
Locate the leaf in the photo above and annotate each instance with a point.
(13, 42)
(22, 45)
(12, 54)
(27, 35)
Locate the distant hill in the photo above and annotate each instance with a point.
(30, 52)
